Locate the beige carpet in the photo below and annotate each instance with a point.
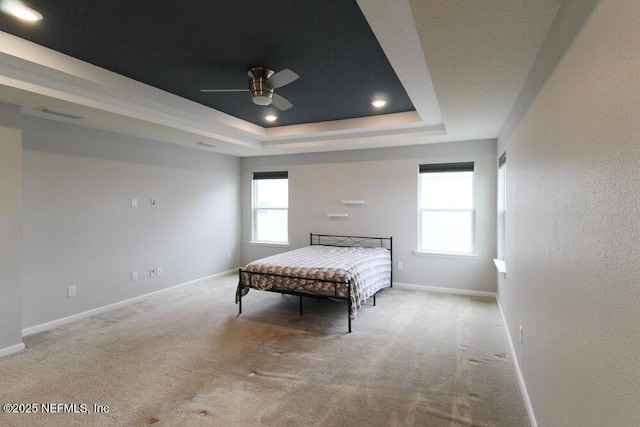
(184, 358)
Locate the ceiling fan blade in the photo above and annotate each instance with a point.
(224, 90)
(280, 103)
(282, 78)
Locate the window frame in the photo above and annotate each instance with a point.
(259, 176)
(501, 226)
(445, 168)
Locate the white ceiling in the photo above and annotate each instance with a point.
(462, 63)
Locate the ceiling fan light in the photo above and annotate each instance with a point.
(271, 117)
(262, 100)
(378, 102)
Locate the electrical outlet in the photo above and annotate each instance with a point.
(521, 332)
(153, 202)
(134, 203)
(71, 291)
(134, 275)
(153, 272)
(400, 265)
(158, 270)
(229, 255)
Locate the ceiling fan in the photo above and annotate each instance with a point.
(262, 83)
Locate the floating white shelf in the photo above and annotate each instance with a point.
(353, 202)
(500, 265)
(338, 215)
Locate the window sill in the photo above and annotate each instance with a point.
(272, 244)
(500, 265)
(446, 254)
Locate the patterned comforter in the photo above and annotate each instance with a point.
(323, 270)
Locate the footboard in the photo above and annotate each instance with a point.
(294, 285)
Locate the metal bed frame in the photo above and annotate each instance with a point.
(323, 240)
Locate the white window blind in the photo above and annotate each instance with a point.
(270, 214)
(446, 220)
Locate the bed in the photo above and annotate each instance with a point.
(349, 268)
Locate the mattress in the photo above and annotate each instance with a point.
(323, 270)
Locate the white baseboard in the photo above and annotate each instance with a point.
(59, 322)
(10, 350)
(494, 295)
(523, 385)
(412, 287)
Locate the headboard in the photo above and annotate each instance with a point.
(350, 241)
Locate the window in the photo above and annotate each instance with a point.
(446, 220)
(502, 203)
(270, 207)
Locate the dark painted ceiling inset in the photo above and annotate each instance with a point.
(184, 46)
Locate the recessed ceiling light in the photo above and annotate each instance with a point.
(271, 117)
(22, 12)
(378, 103)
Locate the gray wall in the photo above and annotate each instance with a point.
(80, 228)
(573, 228)
(10, 230)
(387, 180)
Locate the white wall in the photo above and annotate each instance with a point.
(10, 230)
(573, 228)
(387, 180)
(80, 228)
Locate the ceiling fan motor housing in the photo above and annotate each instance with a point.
(261, 94)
